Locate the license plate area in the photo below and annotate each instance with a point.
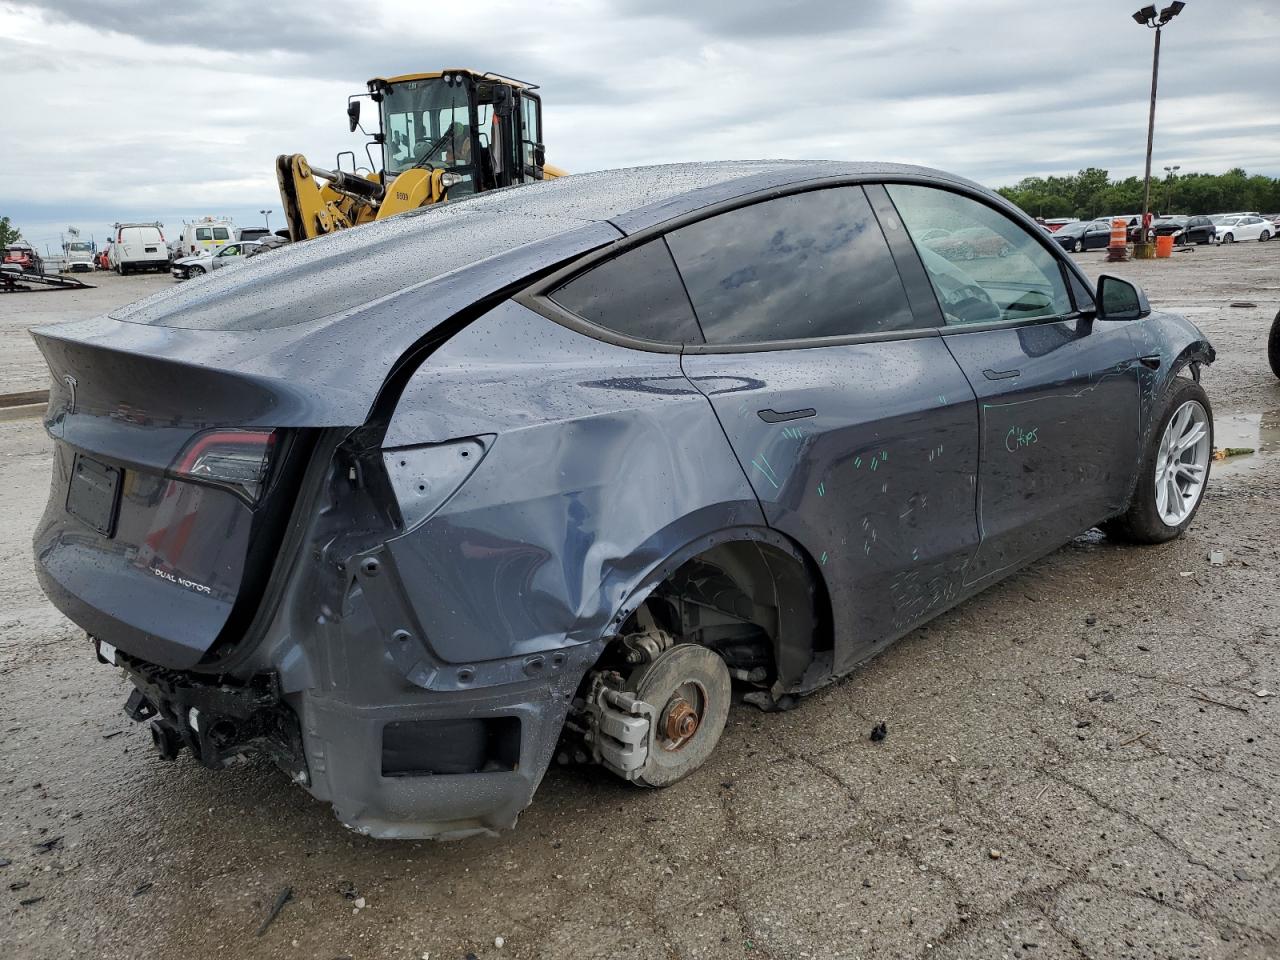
(94, 493)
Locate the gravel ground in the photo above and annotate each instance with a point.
(1079, 764)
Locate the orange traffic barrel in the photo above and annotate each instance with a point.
(1164, 245)
(1118, 249)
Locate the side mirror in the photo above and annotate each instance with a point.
(539, 155)
(1120, 300)
(353, 114)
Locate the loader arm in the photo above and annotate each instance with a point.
(312, 209)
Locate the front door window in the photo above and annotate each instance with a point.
(984, 267)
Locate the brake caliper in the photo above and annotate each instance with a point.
(620, 726)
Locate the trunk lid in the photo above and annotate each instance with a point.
(161, 518)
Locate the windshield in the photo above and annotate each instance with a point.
(1225, 221)
(428, 124)
(79, 246)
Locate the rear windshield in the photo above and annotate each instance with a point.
(345, 270)
(204, 233)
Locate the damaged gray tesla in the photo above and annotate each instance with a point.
(418, 507)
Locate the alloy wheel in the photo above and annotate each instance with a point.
(1182, 463)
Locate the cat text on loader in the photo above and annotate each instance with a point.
(441, 135)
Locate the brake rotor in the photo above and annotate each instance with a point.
(689, 688)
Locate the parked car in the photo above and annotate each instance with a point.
(188, 267)
(137, 246)
(1246, 227)
(252, 233)
(1186, 230)
(23, 256)
(552, 466)
(1083, 235)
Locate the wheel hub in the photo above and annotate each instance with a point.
(679, 723)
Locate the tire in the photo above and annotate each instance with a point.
(195, 272)
(1077, 247)
(1229, 238)
(1142, 521)
(678, 668)
(1264, 236)
(1273, 345)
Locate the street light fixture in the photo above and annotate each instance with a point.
(267, 215)
(1170, 175)
(1148, 17)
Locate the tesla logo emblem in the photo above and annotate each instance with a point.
(71, 382)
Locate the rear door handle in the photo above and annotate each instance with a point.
(773, 416)
(1001, 374)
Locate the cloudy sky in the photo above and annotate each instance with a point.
(137, 109)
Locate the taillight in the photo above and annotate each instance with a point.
(236, 459)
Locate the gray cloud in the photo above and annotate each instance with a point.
(765, 19)
(194, 102)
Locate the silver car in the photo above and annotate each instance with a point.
(203, 263)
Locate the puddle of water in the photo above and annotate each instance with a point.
(1261, 431)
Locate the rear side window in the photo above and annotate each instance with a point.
(808, 265)
(638, 294)
(984, 266)
(220, 233)
(204, 233)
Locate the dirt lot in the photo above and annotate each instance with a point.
(1080, 763)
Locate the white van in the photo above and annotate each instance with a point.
(138, 246)
(206, 236)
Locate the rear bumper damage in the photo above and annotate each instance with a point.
(394, 760)
(217, 721)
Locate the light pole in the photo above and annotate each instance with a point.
(1148, 17)
(1170, 175)
(267, 214)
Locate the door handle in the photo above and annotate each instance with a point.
(1001, 374)
(773, 416)
(1151, 361)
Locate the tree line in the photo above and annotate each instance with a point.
(1091, 193)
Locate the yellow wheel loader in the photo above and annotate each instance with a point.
(441, 135)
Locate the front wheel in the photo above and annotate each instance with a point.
(195, 271)
(1174, 469)
(1229, 238)
(1077, 247)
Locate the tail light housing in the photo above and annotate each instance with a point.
(236, 460)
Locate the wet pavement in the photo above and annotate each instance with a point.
(1083, 761)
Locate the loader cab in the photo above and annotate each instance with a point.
(484, 128)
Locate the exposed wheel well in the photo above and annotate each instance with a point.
(762, 606)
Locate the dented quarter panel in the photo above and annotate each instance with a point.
(605, 462)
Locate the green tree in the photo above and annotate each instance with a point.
(1091, 193)
(8, 233)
